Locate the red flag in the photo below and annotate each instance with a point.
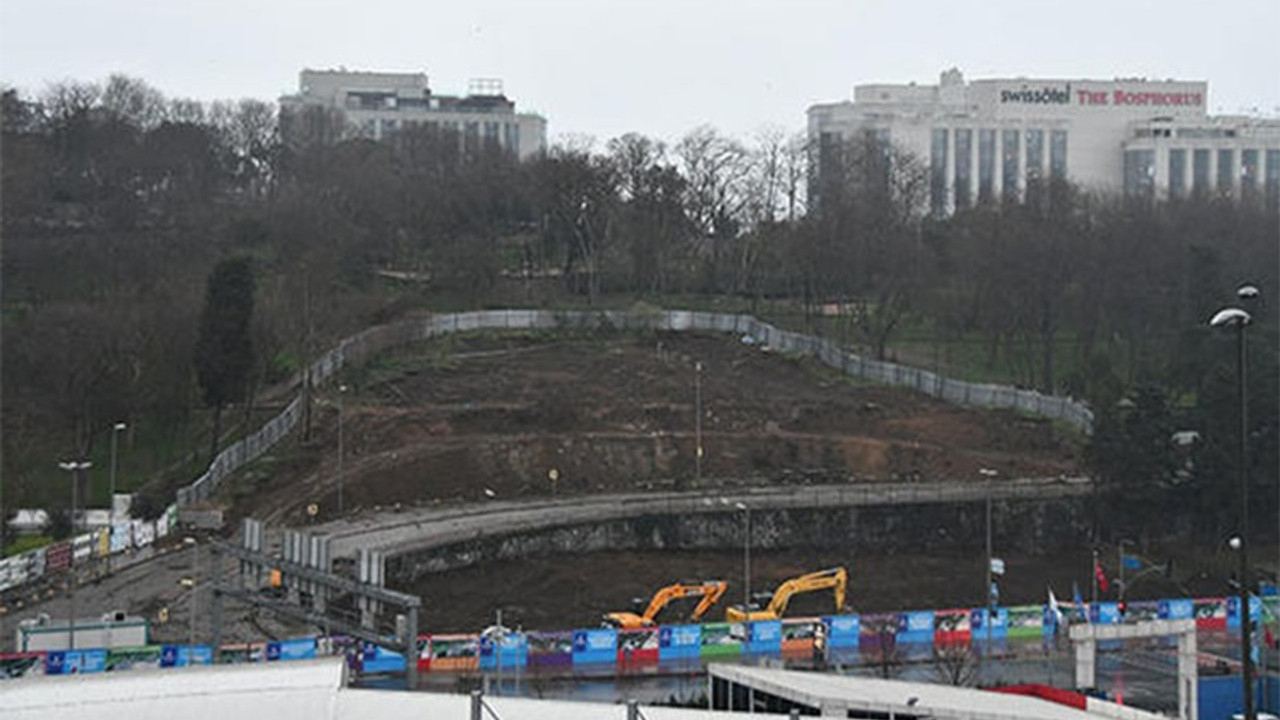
(1101, 576)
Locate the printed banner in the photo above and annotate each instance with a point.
(1177, 609)
(1233, 609)
(639, 645)
(720, 639)
(951, 626)
(375, 659)
(984, 623)
(57, 556)
(915, 627)
(1211, 613)
(296, 649)
(764, 636)
(74, 662)
(676, 642)
(842, 631)
(1027, 621)
(550, 649)
(512, 652)
(454, 652)
(1104, 613)
(595, 646)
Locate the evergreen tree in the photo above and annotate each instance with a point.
(224, 348)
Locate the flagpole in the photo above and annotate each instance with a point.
(1094, 573)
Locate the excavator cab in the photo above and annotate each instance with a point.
(835, 579)
(709, 590)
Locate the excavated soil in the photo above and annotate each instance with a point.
(526, 414)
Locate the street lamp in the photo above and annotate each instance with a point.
(191, 584)
(697, 411)
(73, 467)
(988, 474)
(1235, 317)
(746, 556)
(342, 411)
(111, 495)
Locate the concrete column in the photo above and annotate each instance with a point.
(1086, 665)
(1188, 684)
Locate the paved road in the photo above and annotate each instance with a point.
(396, 532)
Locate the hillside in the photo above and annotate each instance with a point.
(443, 421)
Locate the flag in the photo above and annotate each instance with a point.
(1079, 601)
(1053, 607)
(1100, 576)
(1131, 562)
(997, 566)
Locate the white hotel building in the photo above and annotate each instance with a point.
(378, 105)
(988, 139)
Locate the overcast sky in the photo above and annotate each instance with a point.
(659, 67)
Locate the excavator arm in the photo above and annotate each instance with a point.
(709, 590)
(834, 579)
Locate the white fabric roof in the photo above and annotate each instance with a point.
(824, 690)
(311, 689)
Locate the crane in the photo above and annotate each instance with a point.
(835, 579)
(709, 590)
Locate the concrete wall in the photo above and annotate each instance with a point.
(1046, 525)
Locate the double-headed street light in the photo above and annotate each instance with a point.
(1240, 319)
(73, 467)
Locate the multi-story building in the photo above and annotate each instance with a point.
(991, 139)
(379, 105)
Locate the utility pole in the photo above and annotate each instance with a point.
(697, 409)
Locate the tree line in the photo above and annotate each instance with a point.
(119, 203)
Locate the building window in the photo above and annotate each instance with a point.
(491, 134)
(1248, 171)
(1200, 171)
(938, 171)
(986, 165)
(964, 169)
(1139, 173)
(1226, 170)
(1177, 172)
(1035, 156)
(471, 136)
(389, 128)
(1009, 164)
(1058, 154)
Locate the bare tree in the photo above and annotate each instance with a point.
(955, 663)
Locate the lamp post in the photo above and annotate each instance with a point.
(111, 494)
(988, 474)
(746, 556)
(192, 585)
(342, 412)
(1235, 317)
(73, 467)
(697, 410)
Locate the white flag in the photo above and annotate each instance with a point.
(1053, 607)
(997, 566)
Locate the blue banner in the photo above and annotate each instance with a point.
(1178, 609)
(915, 627)
(514, 651)
(764, 636)
(998, 620)
(842, 631)
(1233, 609)
(679, 641)
(595, 646)
(1104, 613)
(296, 649)
(376, 659)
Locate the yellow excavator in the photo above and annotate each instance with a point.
(835, 579)
(709, 590)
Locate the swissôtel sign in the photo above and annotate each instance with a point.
(1120, 96)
